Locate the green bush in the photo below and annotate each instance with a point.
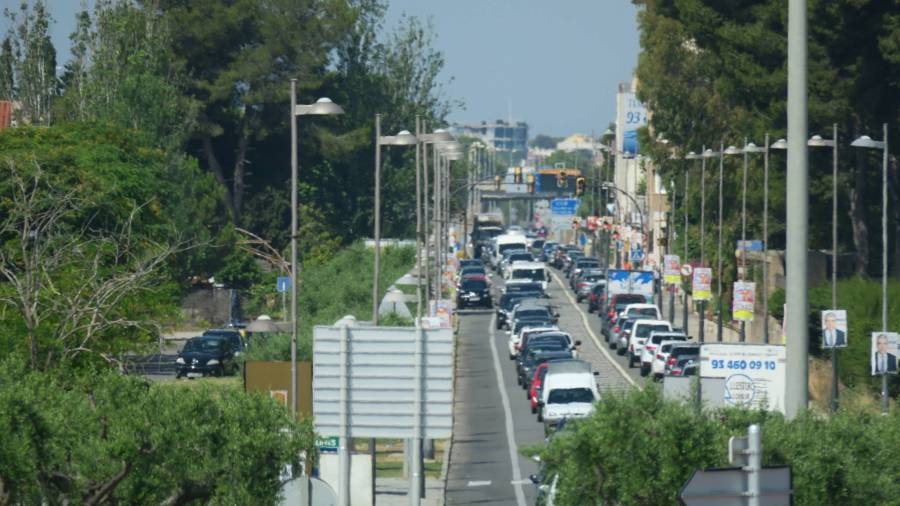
(640, 450)
(120, 439)
(329, 290)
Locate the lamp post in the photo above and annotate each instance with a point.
(866, 142)
(687, 171)
(749, 148)
(424, 139)
(729, 151)
(404, 138)
(780, 144)
(816, 141)
(322, 107)
(443, 153)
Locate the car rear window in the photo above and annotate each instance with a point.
(643, 311)
(627, 298)
(532, 313)
(474, 285)
(646, 330)
(680, 351)
(568, 395)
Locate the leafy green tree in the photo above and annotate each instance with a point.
(7, 85)
(114, 439)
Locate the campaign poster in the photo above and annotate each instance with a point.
(701, 284)
(672, 269)
(743, 300)
(885, 350)
(834, 328)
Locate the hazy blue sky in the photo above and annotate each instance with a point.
(556, 62)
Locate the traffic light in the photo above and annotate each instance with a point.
(561, 179)
(530, 183)
(517, 175)
(497, 181)
(579, 186)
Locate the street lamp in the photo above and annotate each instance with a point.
(424, 139)
(866, 142)
(322, 107)
(816, 141)
(404, 138)
(704, 155)
(444, 152)
(709, 153)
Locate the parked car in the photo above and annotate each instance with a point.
(234, 336)
(474, 291)
(664, 353)
(652, 346)
(617, 303)
(639, 334)
(205, 356)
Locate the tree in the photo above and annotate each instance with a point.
(7, 85)
(544, 142)
(34, 61)
(240, 55)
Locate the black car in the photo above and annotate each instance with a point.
(205, 356)
(508, 301)
(233, 336)
(473, 292)
(537, 356)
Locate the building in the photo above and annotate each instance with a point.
(578, 142)
(499, 135)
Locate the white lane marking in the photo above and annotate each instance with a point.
(479, 483)
(521, 482)
(507, 412)
(590, 331)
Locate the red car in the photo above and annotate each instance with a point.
(537, 381)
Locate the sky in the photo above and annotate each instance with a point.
(554, 64)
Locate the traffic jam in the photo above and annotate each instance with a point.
(558, 384)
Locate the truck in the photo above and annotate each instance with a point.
(485, 227)
(631, 282)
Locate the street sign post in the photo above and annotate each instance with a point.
(283, 284)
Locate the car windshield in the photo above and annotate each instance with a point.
(511, 246)
(532, 274)
(203, 345)
(524, 287)
(532, 313)
(642, 311)
(474, 285)
(646, 330)
(569, 395)
(684, 351)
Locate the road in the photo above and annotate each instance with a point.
(492, 418)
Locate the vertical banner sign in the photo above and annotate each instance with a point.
(885, 350)
(672, 269)
(701, 284)
(631, 116)
(834, 328)
(743, 300)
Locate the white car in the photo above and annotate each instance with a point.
(516, 339)
(658, 368)
(529, 271)
(649, 311)
(640, 332)
(653, 346)
(569, 391)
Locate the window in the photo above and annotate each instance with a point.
(569, 395)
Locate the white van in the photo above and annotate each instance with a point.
(569, 391)
(506, 242)
(532, 271)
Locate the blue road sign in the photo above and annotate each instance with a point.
(583, 239)
(564, 207)
(283, 284)
(637, 254)
(752, 245)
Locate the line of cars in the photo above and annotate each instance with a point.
(557, 385)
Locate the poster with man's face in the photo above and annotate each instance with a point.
(885, 346)
(834, 328)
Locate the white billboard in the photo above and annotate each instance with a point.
(754, 374)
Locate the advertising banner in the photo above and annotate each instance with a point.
(672, 269)
(834, 328)
(743, 300)
(885, 350)
(622, 281)
(701, 284)
(441, 309)
(754, 374)
(631, 116)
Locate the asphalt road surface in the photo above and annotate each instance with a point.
(492, 418)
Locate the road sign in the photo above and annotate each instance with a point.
(380, 381)
(283, 284)
(637, 254)
(564, 207)
(754, 245)
(686, 270)
(726, 487)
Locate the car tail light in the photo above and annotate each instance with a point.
(616, 328)
(611, 314)
(650, 347)
(676, 372)
(672, 361)
(660, 356)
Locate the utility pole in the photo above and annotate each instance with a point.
(797, 394)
